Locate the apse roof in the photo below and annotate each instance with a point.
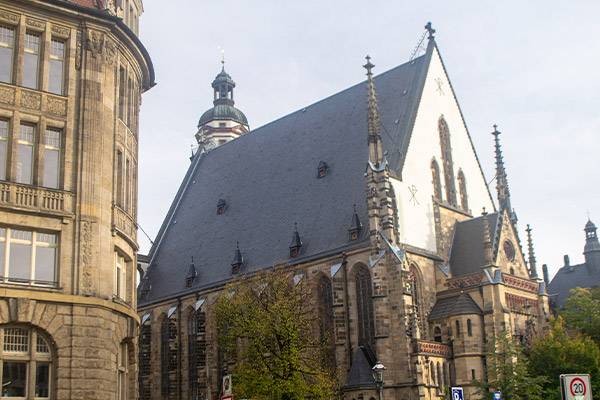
(269, 179)
(456, 305)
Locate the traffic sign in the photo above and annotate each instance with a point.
(575, 387)
(497, 395)
(457, 393)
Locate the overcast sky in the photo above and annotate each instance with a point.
(530, 66)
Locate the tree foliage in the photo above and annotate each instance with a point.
(269, 319)
(582, 312)
(507, 372)
(560, 353)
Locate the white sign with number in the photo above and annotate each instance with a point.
(576, 387)
(457, 393)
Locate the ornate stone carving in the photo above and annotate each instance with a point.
(57, 106)
(466, 281)
(95, 43)
(86, 256)
(520, 283)
(35, 23)
(60, 30)
(78, 50)
(110, 52)
(31, 100)
(7, 95)
(10, 17)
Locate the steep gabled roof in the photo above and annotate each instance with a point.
(268, 178)
(451, 306)
(467, 253)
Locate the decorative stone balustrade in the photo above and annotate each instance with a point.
(35, 198)
(434, 348)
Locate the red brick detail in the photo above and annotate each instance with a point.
(520, 283)
(517, 302)
(465, 281)
(434, 348)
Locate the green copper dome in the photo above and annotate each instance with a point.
(223, 103)
(223, 112)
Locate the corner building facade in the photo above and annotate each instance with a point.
(71, 78)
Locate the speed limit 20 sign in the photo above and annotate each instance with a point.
(575, 387)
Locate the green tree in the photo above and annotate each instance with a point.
(507, 372)
(269, 319)
(560, 353)
(582, 312)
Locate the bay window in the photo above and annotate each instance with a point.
(28, 256)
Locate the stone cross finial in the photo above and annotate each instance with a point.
(430, 30)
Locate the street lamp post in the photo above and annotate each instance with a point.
(378, 369)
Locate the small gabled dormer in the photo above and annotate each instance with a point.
(221, 206)
(355, 226)
(296, 244)
(238, 260)
(322, 169)
(191, 275)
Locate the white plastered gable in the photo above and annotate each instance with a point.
(415, 191)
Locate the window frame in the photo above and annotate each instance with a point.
(57, 58)
(51, 147)
(120, 278)
(21, 143)
(36, 52)
(39, 353)
(11, 46)
(5, 144)
(34, 243)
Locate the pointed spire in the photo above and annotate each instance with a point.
(373, 127)
(532, 268)
(296, 242)
(355, 226)
(238, 260)
(545, 272)
(501, 180)
(191, 275)
(487, 241)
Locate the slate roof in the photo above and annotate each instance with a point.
(269, 179)
(361, 373)
(466, 253)
(456, 305)
(569, 277)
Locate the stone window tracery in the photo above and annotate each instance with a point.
(145, 354)
(462, 188)
(197, 354)
(447, 161)
(364, 303)
(437, 183)
(168, 352)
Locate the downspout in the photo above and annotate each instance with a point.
(347, 307)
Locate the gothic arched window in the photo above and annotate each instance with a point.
(462, 188)
(469, 328)
(168, 355)
(437, 334)
(437, 183)
(364, 305)
(325, 308)
(447, 161)
(197, 353)
(457, 328)
(145, 354)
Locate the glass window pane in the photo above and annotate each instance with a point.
(50, 168)
(6, 53)
(30, 70)
(42, 379)
(14, 379)
(55, 84)
(16, 340)
(41, 346)
(19, 263)
(24, 163)
(2, 253)
(45, 258)
(2, 159)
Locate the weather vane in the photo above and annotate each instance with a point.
(222, 54)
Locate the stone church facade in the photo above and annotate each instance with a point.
(71, 78)
(381, 206)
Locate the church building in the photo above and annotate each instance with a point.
(377, 196)
(72, 73)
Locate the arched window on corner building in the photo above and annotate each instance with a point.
(364, 305)
(26, 363)
(462, 188)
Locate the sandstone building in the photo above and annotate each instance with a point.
(71, 78)
(380, 204)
